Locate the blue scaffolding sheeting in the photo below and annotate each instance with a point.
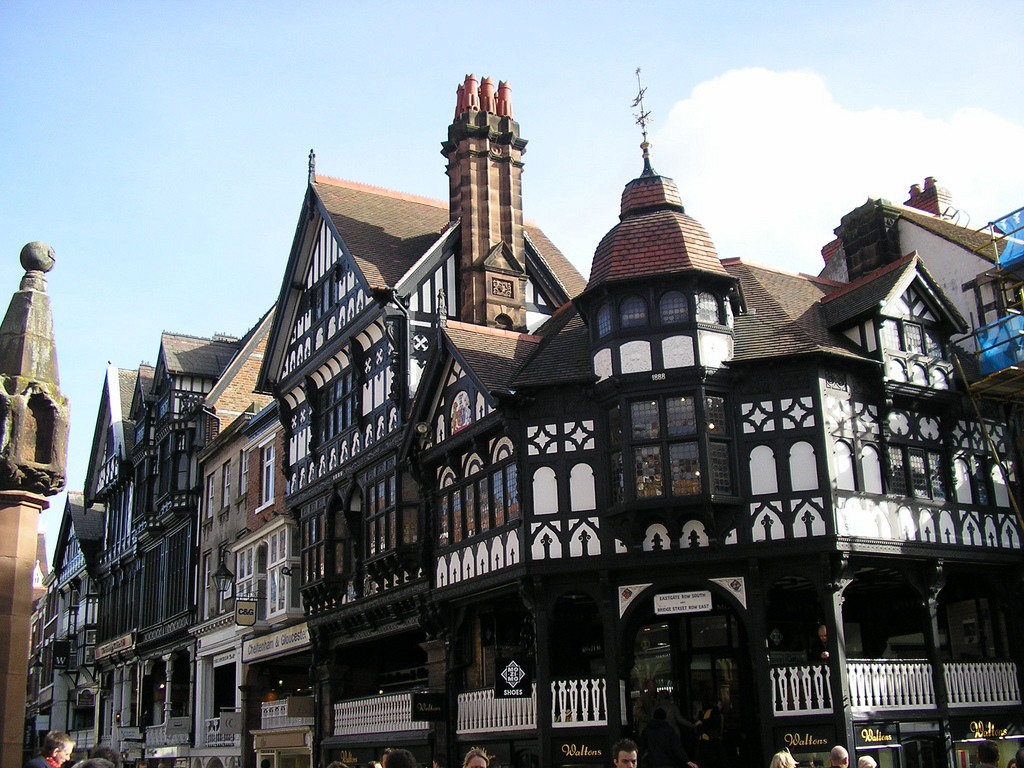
(1001, 344)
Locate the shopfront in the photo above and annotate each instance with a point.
(1006, 732)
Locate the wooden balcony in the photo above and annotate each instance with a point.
(293, 712)
(883, 684)
(376, 714)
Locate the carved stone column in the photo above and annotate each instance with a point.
(33, 458)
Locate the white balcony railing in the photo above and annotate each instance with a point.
(84, 739)
(803, 689)
(885, 684)
(214, 736)
(293, 712)
(376, 714)
(480, 712)
(157, 736)
(576, 703)
(973, 683)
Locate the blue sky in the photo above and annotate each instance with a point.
(160, 148)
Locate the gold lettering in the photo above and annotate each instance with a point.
(580, 750)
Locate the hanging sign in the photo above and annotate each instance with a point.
(245, 612)
(682, 602)
(511, 679)
(429, 707)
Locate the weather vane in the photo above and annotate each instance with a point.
(643, 117)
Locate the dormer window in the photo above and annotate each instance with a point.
(673, 308)
(604, 321)
(633, 312)
(707, 309)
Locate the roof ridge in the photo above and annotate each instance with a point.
(732, 260)
(382, 191)
(492, 331)
(870, 276)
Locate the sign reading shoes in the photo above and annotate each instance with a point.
(682, 602)
(511, 680)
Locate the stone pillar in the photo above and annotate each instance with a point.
(33, 460)
(19, 513)
(168, 686)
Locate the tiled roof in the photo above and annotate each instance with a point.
(863, 294)
(385, 231)
(146, 375)
(494, 355)
(126, 381)
(87, 523)
(971, 239)
(563, 354)
(563, 270)
(784, 315)
(654, 236)
(196, 356)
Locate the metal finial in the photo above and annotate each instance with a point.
(312, 166)
(643, 118)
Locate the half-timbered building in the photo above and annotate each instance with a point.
(536, 509)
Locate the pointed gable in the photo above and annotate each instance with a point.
(113, 435)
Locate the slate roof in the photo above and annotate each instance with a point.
(653, 237)
(385, 231)
(126, 380)
(784, 315)
(196, 356)
(87, 523)
(563, 355)
(971, 239)
(863, 294)
(563, 270)
(494, 355)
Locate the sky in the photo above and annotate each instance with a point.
(161, 148)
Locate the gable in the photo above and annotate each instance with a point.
(459, 401)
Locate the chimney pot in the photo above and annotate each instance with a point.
(487, 95)
(472, 97)
(915, 190)
(504, 100)
(929, 182)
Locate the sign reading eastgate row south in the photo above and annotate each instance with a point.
(682, 602)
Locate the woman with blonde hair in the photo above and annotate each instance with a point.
(476, 758)
(783, 759)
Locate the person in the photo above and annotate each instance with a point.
(839, 757)
(819, 647)
(624, 754)
(104, 752)
(643, 709)
(661, 746)
(782, 759)
(672, 714)
(399, 758)
(866, 762)
(57, 749)
(337, 764)
(476, 758)
(1019, 758)
(711, 727)
(988, 753)
(93, 762)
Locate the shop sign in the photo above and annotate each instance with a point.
(281, 740)
(276, 643)
(511, 680)
(123, 643)
(878, 735)
(86, 698)
(348, 757)
(811, 738)
(576, 752)
(682, 602)
(221, 659)
(42, 722)
(177, 726)
(430, 707)
(61, 654)
(130, 734)
(987, 729)
(245, 612)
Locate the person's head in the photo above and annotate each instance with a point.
(988, 752)
(1019, 757)
(823, 633)
(839, 756)
(624, 754)
(94, 762)
(783, 759)
(399, 758)
(104, 752)
(476, 758)
(866, 762)
(58, 741)
(337, 764)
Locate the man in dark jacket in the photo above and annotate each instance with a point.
(57, 749)
(661, 746)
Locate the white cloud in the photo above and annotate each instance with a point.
(768, 162)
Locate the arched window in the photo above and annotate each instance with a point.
(581, 488)
(870, 469)
(803, 467)
(604, 321)
(545, 491)
(963, 482)
(673, 307)
(763, 475)
(633, 312)
(844, 467)
(707, 309)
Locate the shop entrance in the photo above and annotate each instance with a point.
(700, 662)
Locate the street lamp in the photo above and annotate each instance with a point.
(222, 577)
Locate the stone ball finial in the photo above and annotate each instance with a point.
(37, 256)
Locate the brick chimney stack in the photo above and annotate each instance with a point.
(484, 152)
(932, 199)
